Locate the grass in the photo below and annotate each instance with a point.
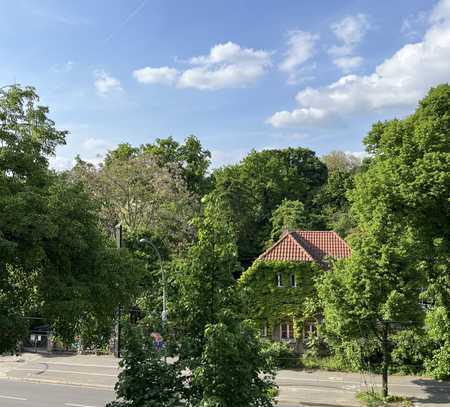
(372, 398)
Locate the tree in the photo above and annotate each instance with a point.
(331, 205)
(142, 195)
(400, 250)
(230, 370)
(27, 137)
(189, 158)
(288, 216)
(55, 263)
(257, 185)
(341, 161)
(146, 380)
(220, 350)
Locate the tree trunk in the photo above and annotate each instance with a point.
(385, 358)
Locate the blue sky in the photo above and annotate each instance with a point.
(238, 74)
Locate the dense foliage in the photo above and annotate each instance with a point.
(398, 271)
(146, 380)
(55, 262)
(265, 302)
(255, 187)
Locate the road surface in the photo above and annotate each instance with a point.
(88, 381)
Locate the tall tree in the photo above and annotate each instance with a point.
(144, 196)
(400, 253)
(288, 216)
(27, 137)
(222, 352)
(191, 159)
(257, 185)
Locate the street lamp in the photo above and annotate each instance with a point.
(163, 278)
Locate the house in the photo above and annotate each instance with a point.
(282, 279)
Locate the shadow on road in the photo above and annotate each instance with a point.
(437, 392)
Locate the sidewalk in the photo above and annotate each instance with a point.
(79, 370)
(8, 363)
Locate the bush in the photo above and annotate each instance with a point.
(146, 380)
(333, 363)
(281, 355)
(233, 370)
(439, 365)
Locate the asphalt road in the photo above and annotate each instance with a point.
(88, 381)
(28, 394)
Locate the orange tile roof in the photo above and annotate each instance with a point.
(306, 245)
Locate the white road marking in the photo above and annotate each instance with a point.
(82, 365)
(77, 405)
(295, 389)
(66, 371)
(12, 398)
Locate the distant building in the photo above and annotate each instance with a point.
(283, 272)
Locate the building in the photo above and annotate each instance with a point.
(280, 282)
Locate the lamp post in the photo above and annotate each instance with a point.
(163, 278)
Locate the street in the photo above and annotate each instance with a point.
(87, 381)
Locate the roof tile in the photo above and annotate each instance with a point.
(306, 245)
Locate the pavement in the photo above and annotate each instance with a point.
(34, 380)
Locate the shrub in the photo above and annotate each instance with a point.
(281, 355)
(146, 380)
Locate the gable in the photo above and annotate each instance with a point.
(305, 245)
(287, 249)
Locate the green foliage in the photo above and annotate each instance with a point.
(204, 277)
(400, 203)
(257, 185)
(190, 158)
(372, 398)
(265, 301)
(437, 325)
(280, 354)
(27, 137)
(289, 215)
(146, 379)
(54, 260)
(233, 370)
(222, 352)
(409, 350)
(333, 363)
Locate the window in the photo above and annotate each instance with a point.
(293, 280)
(286, 331)
(309, 329)
(279, 280)
(264, 330)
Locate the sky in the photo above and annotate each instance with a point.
(240, 75)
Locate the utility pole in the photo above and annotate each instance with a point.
(386, 357)
(118, 236)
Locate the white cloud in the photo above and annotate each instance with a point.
(220, 158)
(350, 31)
(414, 24)
(347, 64)
(359, 154)
(93, 144)
(60, 163)
(398, 83)
(163, 75)
(227, 65)
(300, 48)
(105, 83)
